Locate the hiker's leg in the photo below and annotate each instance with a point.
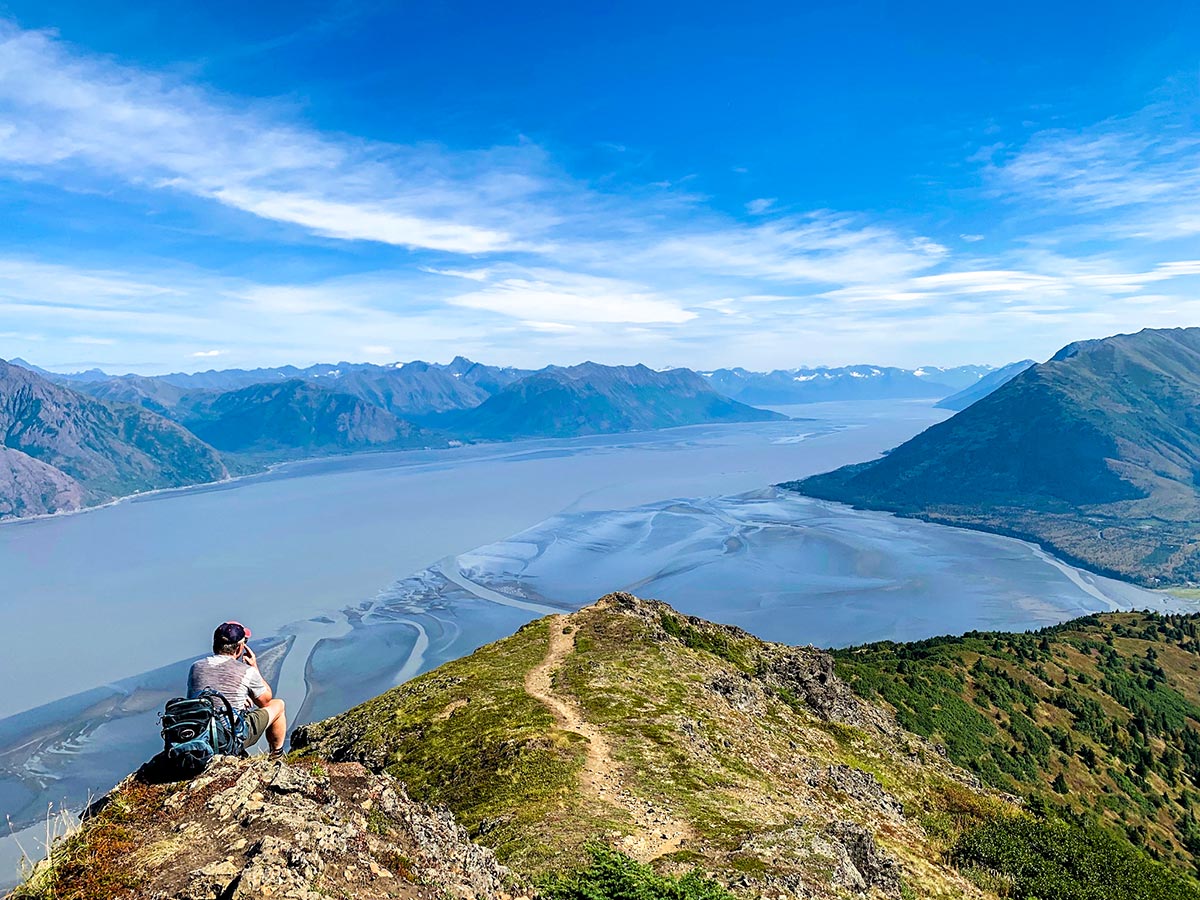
(277, 730)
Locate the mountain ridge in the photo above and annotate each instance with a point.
(993, 381)
(594, 399)
(628, 743)
(859, 382)
(296, 416)
(1095, 454)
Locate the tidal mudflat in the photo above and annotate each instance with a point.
(317, 555)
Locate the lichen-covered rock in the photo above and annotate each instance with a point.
(868, 866)
(858, 785)
(250, 829)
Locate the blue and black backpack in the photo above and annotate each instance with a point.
(194, 730)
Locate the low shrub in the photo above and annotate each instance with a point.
(614, 876)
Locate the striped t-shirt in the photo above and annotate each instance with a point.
(229, 675)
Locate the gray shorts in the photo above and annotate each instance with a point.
(257, 721)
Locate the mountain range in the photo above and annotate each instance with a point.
(789, 386)
(296, 417)
(593, 399)
(72, 441)
(192, 428)
(1094, 454)
(420, 388)
(630, 751)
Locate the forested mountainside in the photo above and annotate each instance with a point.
(1101, 714)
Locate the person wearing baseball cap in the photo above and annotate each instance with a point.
(232, 670)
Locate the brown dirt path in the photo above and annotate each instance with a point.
(658, 832)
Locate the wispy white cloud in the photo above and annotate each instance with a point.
(555, 297)
(529, 316)
(760, 205)
(63, 110)
(1133, 177)
(819, 248)
(208, 354)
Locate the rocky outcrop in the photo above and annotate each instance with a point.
(803, 674)
(864, 866)
(250, 829)
(32, 488)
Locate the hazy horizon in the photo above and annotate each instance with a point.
(82, 367)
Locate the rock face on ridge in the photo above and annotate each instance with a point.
(250, 829)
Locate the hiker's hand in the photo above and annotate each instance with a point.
(249, 657)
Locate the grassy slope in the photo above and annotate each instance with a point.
(769, 758)
(696, 731)
(1101, 713)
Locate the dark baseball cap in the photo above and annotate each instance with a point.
(230, 633)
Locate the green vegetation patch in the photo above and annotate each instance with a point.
(614, 876)
(468, 735)
(1027, 857)
(713, 641)
(1099, 714)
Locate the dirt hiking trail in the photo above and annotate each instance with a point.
(658, 833)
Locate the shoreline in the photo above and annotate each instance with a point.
(1023, 537)
(272, 467)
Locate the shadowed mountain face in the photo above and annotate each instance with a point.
(984, 386)
(98, 450)
(785, 386)
(31, 488)
(1095, 453)
(297, 416)
(594, 399)
(414, 389)
(154, 394)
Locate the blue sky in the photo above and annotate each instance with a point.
(195, 185)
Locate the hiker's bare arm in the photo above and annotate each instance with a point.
(264, 698)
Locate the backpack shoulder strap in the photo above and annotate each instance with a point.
(237, 724)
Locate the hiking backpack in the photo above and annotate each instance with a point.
(194, 730)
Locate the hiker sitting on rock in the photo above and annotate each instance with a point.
(232, 670)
